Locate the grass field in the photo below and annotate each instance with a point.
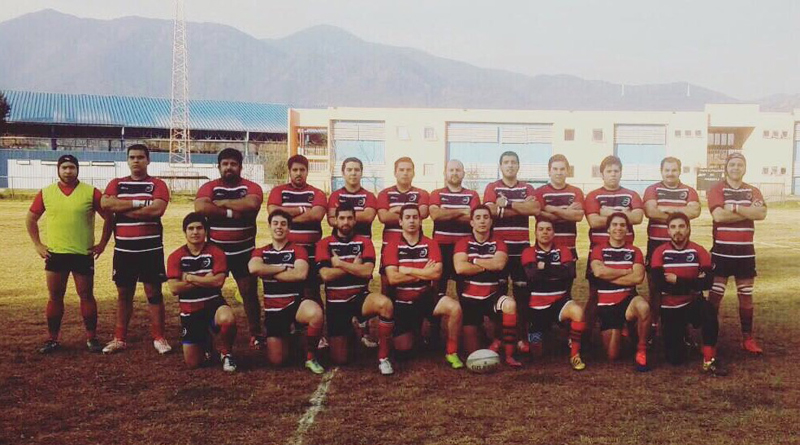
(139, 397)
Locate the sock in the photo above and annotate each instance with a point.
(452, 346)
(715, 294)
(227, 333)
(313, 333)
(746, 317)
(709, 352)
(89, 314)
(121, 333)
(156, 320)
(54, 313)
(385, 328)
(509, 333)
(576, 329)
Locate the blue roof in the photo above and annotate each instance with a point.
(143, 112)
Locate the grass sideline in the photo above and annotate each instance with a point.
(138, 396)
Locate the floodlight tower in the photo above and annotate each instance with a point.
(179, 140)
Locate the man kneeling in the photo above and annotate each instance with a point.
(283, 268)
(550, 271)
(196, 273)
(617, 267)
(412, 263)
(680, 271)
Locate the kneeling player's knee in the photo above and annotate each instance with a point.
(226, 318)
(385, 308)
(156, 299)
(509, 306)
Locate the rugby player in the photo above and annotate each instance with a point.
(138, 201)
(680, 271)
(479, 261)
(734, 206)
(512, 202)
(618, 267)
(599, 205)
(365, 204)
(196, 273)
(412, 265)
(283, 267)
(550, 270)
(392, 199)
(70, 206)
(231, 204)
(346, 262)
(562, 204)
(661, 200)
(306, 205)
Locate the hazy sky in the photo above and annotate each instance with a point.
(746, 49)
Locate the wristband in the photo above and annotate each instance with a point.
(736, 208)
(229, 213)
(500, 212)
(302, 210)
(138, 203)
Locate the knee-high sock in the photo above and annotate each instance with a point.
(509, 333)
(715, 294)
(313, 333)
(746, 313)
(385, 328)
(89, 314)
(227, 334)
(157, 317)
(576, 329)
(54, 313)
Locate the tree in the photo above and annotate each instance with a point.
(5, 111)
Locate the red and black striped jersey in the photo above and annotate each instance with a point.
(392, 197)
(449, 232)
(400, 253)
(232, 235)
(664, 196)
(514, 230)
(277, 294)
(566, 232)
(137, 235)
(686, 263)
(308, 196)
(487, 283)
(346, 288)
(210, 260)
(623, 257)
(360, 200)
(735, 239)
(545, 292)
(619, 199)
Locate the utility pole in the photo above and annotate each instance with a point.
(179, 139)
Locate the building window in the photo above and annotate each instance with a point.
(765, 171)
(677, 133)
(429, 133)
(427, 169)
(698, 133)
(687, 169)
(569, 134)
(317, 166)
(596, 171)
(687, 133)
(766, 134)
(783, 170)
(597, 135)
(776, 134)
(784, 134)
(402, 133)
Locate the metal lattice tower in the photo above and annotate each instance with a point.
(179, 140)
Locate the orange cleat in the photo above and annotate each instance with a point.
(749, 344)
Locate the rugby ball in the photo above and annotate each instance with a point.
(483, 361)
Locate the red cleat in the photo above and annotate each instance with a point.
(495, 346)
(514, 363)
(523, 347)
(749, 344)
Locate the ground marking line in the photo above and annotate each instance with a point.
(317, 401)
(781, 246)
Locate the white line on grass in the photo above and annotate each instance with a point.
(317, 400)
(780, 246)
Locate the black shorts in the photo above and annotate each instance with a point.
(132, 267)
(448, 270)
(540, 320)
(279, 323)
(651, 247)
(339, 315)
(70, 262)
(737, 267)
(196, 327)
(515, 272)
(408, 317)
(237, 264)
(312, 283)
(613, 316)
(474, 310)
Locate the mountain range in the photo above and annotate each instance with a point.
(319, 66)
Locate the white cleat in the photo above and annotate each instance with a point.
(385, 366)
(115, 345)
(162, 346)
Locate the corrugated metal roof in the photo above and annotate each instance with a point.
(144, 112)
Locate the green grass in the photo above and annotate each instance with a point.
(138, 396)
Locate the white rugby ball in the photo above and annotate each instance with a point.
(483, 361)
